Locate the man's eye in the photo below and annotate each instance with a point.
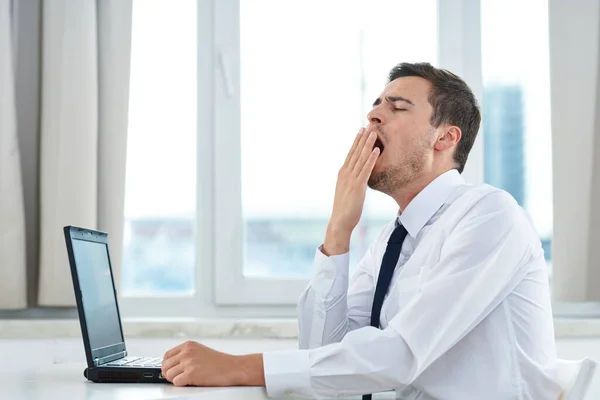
(399, 109)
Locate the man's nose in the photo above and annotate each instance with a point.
(376, 117)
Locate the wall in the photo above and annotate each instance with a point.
(573, 28)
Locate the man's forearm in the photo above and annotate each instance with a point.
(251, 371)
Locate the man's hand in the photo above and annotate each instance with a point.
(350, 192)
(193, 364)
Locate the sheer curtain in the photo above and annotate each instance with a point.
(13, 291)
(72, 75)
(84, 106)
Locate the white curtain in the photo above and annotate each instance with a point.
(13, 273)
(574, 70)
(84, 106)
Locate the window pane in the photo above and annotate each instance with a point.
(516, 106)
(159, 249)
(308, 78)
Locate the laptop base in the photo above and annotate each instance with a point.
(124, 375)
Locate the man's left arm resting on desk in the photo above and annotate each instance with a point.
(481, 263)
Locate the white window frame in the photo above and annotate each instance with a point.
(203, 303)
(459, 52)
(199, 303)
(231, 286)
(221, 288)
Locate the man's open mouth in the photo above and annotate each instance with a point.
(379, 144)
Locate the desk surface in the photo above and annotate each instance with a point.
(66, 381)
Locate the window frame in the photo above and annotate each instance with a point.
(222, 290)
(456, 50)
(203, 304)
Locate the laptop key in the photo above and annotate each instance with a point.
(130, 361)
(120, 361)
(149, 360)
(152, 362)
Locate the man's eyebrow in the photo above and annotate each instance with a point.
(393, 99)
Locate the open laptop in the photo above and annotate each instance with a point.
(99, 316)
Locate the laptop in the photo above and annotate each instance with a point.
(99, 317)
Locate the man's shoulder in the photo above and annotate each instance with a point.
(475, 201)
(485, 195)
(483, 201)
(487, 211)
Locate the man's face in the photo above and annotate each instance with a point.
(401, 116)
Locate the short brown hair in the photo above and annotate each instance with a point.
(453, 103)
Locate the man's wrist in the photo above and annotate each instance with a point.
(337, 241)
(250, 370)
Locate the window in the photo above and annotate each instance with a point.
(160, 203)
(293, 137)
(516, 106)
(304, 94)
(235, 142)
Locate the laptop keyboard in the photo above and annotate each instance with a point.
(152, 362)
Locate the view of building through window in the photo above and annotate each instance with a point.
(516, 107)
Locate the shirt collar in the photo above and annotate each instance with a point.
(425, 204)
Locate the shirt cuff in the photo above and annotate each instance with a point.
(287, 372)
(329, 272)
(340, 260)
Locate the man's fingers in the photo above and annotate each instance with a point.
(365, 152)
(169, 363)
(173, 351)
(357, 151)
(183, 379)
(174, 372)
(360, 134)
(368, 167)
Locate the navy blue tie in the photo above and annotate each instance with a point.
(388, 265)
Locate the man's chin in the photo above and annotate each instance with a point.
(375, 181)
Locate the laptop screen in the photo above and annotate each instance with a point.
(98, 297)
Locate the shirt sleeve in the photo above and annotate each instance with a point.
(481, 262)
(332, 304)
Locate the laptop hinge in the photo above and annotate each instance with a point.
(107, 359)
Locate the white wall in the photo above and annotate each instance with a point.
(573, 28)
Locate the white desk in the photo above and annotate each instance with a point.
(66, 381)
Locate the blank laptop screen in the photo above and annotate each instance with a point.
(98, 298)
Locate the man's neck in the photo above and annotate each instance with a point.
(403, 196)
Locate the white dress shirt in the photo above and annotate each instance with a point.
(467, 315)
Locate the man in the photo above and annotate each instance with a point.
(450, 302)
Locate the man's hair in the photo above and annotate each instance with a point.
(453, 103)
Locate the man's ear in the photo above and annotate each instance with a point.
(448, 137)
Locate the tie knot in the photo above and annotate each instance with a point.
(398, 235)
